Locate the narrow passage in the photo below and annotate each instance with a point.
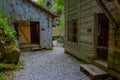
(50, 65)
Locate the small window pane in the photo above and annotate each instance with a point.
(72, 30)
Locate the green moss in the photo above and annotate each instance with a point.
(7, 70)
(5, 67)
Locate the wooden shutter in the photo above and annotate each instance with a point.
(24, 32)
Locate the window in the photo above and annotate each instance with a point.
(72, 30)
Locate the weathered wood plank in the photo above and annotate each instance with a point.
(92, 71)
(91, 4)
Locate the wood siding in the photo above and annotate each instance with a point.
(114, 47)
(84, 12)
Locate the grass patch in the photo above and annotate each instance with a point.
(7, 70)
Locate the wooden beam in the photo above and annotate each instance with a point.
(107, 13)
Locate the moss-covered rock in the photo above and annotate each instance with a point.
(10, 55)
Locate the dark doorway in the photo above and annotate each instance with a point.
(102, 24)
(35, 32)
(16, 28)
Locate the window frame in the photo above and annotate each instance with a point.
(72, 31)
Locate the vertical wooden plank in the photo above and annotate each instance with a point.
(114, 53)
(24, 32)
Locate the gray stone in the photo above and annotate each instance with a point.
(50, 65)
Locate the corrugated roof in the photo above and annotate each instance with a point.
(41, 8)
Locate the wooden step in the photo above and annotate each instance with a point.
(35, 48)
(25, 48)
(93, 72)
(101, 64)
(30, 47)
(35, 45)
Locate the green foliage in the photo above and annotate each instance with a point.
(60, 40)
(6, 30)
(5, 67)
(41, 2)
(6, 70)
(62, 21)
(20, 65)
(55, 6)
(58, 6)
(8, 49)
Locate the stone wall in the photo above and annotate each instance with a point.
(23, 10)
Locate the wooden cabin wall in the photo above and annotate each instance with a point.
(84, 11)
(71, 12)
(87, 25)
(114, 52)
(85, 48)
(114, 46)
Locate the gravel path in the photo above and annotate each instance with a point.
(50, 65)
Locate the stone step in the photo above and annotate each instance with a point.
(93, 72)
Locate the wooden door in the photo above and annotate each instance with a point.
(24, 32)
(102, 36)
(35, 32)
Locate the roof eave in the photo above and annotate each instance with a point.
(43, 9)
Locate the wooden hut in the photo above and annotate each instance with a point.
(32, 23)
(92, 32)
